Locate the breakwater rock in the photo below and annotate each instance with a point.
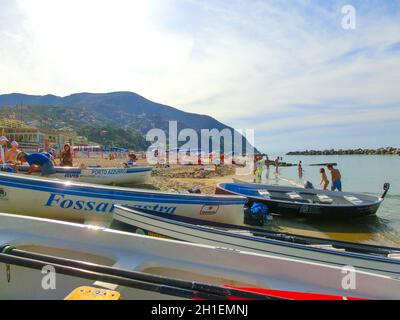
(379, 151)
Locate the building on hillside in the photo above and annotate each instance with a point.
(31, 138)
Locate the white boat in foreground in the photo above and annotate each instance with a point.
(28, 244)
(102, 175)
(368, 258)
(90, 203)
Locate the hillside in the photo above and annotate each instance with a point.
(123, 110)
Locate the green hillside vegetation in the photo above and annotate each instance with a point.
(111, 136)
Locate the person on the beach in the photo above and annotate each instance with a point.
(48, 148)
(277, 164)
(335, 177)
(257, 169)
(300, 170)
(263, 169)
(131, 160)
(66, 156)
(266, 173)
(3, 148)
(11, 154)
(37, 162)
(324, 179)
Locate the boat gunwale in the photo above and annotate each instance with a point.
(120, 192)
(323, 205)
(153, 215)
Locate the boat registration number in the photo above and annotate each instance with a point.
(106, 172)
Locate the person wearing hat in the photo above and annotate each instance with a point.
(3, 148)
(37, 162)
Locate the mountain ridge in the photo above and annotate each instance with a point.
(123, 109)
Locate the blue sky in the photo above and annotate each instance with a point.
(285, 68)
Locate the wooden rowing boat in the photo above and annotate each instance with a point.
(101, 175)
(300, 202)
(90, 203)
(33, 250)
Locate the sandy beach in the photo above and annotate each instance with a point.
(185, 177)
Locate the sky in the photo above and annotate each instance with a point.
(287, 69)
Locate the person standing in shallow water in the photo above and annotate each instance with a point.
(324, 179)
(336, 178)
(277, 165)
(300, 170)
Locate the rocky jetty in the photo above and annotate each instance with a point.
(380, 151)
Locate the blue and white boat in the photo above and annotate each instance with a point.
(367, 258)
(102, 175)
(142, 267)
(91, 203)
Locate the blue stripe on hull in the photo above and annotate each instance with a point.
(114, 194)
(75, 171)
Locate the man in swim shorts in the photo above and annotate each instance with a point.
(336, 178)
(37, 162)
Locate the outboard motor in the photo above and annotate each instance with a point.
(308, 185)
(256, 214)
(386, 188)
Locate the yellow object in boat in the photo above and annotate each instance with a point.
(92, 293)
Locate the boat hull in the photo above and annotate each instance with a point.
(192, 231)
(81, 202)
(115, 176)
(305, 209)
(167, 258)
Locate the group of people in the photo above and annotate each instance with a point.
(44, 160)
(261, 172)
(336, 178)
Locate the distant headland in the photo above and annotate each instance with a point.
(379, 151)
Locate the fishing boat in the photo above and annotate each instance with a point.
(35, 252)
(368, 258)
(301, 202)
(91, 203)
(101, 175)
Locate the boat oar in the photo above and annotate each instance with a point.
(196, 289)
(96, 276)
(323, 164)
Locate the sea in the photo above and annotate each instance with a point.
(361, 174)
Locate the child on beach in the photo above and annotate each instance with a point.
(324, 179)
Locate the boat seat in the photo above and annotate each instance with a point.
(324, 198)
(394, 255)
(265, 193)
(353, 199)
(326, 246)
(294, 195)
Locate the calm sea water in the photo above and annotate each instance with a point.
(361, 174)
